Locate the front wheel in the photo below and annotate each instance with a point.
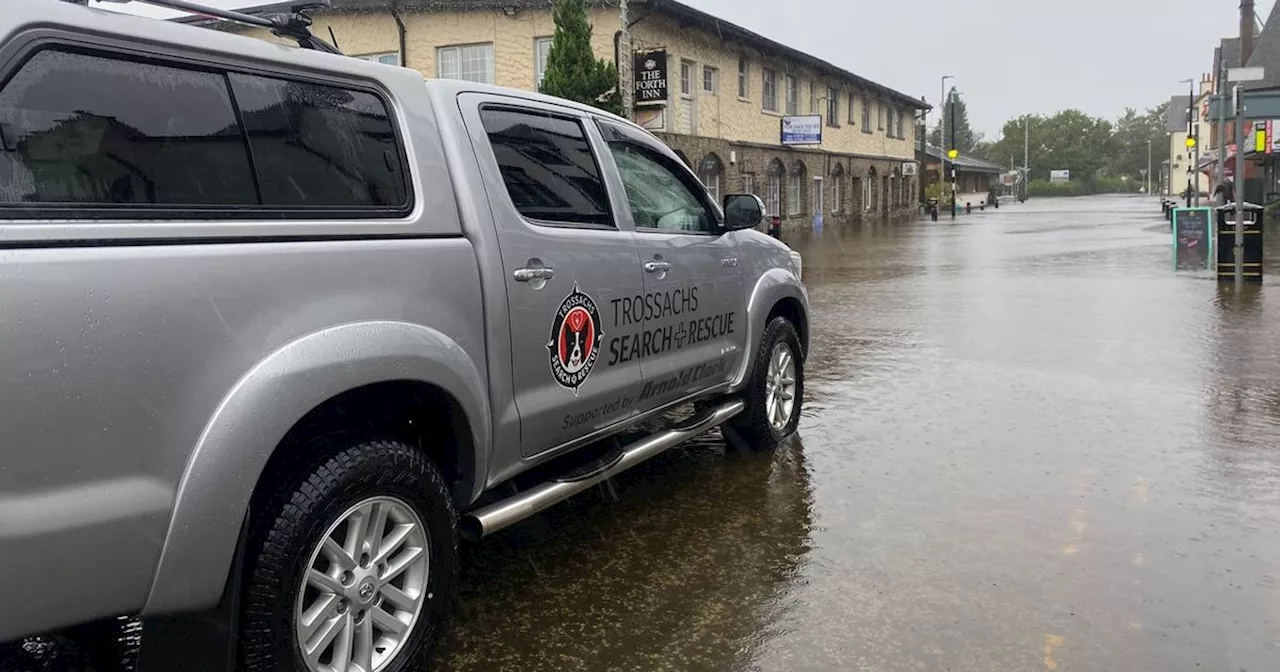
(776, 390)
(351, 564)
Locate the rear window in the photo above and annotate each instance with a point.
(86, 130)
(547, 166)
(95, 135)
(317, 145)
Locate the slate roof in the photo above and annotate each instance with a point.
(1266, 52)
(1177, 115)
(1226, 54)
(683, 13)
(965, 162)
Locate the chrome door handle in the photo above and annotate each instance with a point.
(657, 266)
(531, 274)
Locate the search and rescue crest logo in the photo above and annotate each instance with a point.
(575, 339)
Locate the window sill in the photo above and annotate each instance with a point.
(772, 113)
(743, 100)
(830, 125)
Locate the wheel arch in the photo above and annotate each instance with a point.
(353, 367)
(777, 292)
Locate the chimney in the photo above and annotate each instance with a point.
(1246, 32)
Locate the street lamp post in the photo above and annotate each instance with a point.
(1147, 175)
(1026, 156)
(1191, 106)
(942, 138)
(953, 152)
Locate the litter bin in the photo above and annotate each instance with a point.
(1252, 242)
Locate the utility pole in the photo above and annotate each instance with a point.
(1239, 186)
(625, 61)
(1220, 172)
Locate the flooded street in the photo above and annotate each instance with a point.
(1028, 445)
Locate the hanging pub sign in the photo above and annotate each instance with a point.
(651, 77)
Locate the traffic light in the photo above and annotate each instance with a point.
(1260, 140)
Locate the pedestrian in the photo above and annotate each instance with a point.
(1224, 193)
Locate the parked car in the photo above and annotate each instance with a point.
(282, 326)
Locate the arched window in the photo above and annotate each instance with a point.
(870, 197)
(795, 189)
(711, 172)
(837, 181)
(894, 194)
(773, 191)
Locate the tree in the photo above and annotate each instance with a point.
(1132, 133)
(1069, 140)
(573, 72)
(966, 139)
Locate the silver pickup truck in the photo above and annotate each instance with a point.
(281, 326)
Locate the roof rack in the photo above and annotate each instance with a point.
(294, 25)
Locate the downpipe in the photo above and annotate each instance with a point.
(485, 521)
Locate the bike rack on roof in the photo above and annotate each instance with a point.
(294, 25)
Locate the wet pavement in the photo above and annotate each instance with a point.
(1028, 445)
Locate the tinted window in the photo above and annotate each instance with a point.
(547, 166)
(659, 192)
(317, 145)
(80, 130)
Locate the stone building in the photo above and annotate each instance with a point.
(974, 177)
(727, 92)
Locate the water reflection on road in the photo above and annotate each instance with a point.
(1028, 445)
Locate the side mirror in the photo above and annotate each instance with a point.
(743, 211)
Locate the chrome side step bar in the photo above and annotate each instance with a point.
(483, 522)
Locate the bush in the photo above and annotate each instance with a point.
(932, 191)
(1101, 185)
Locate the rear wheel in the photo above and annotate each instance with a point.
(776, 390)
(351, 564)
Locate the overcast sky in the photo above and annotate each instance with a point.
(1009, 57)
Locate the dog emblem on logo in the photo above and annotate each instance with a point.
(575, 339)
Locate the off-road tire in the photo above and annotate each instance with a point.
(752, 424)
(291, 518)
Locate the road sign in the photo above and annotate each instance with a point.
(1245, 74)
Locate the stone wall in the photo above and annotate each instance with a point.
(746, 167)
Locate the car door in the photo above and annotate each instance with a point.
(693, 308)
(567, 264)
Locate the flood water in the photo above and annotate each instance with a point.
(1028, 444)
